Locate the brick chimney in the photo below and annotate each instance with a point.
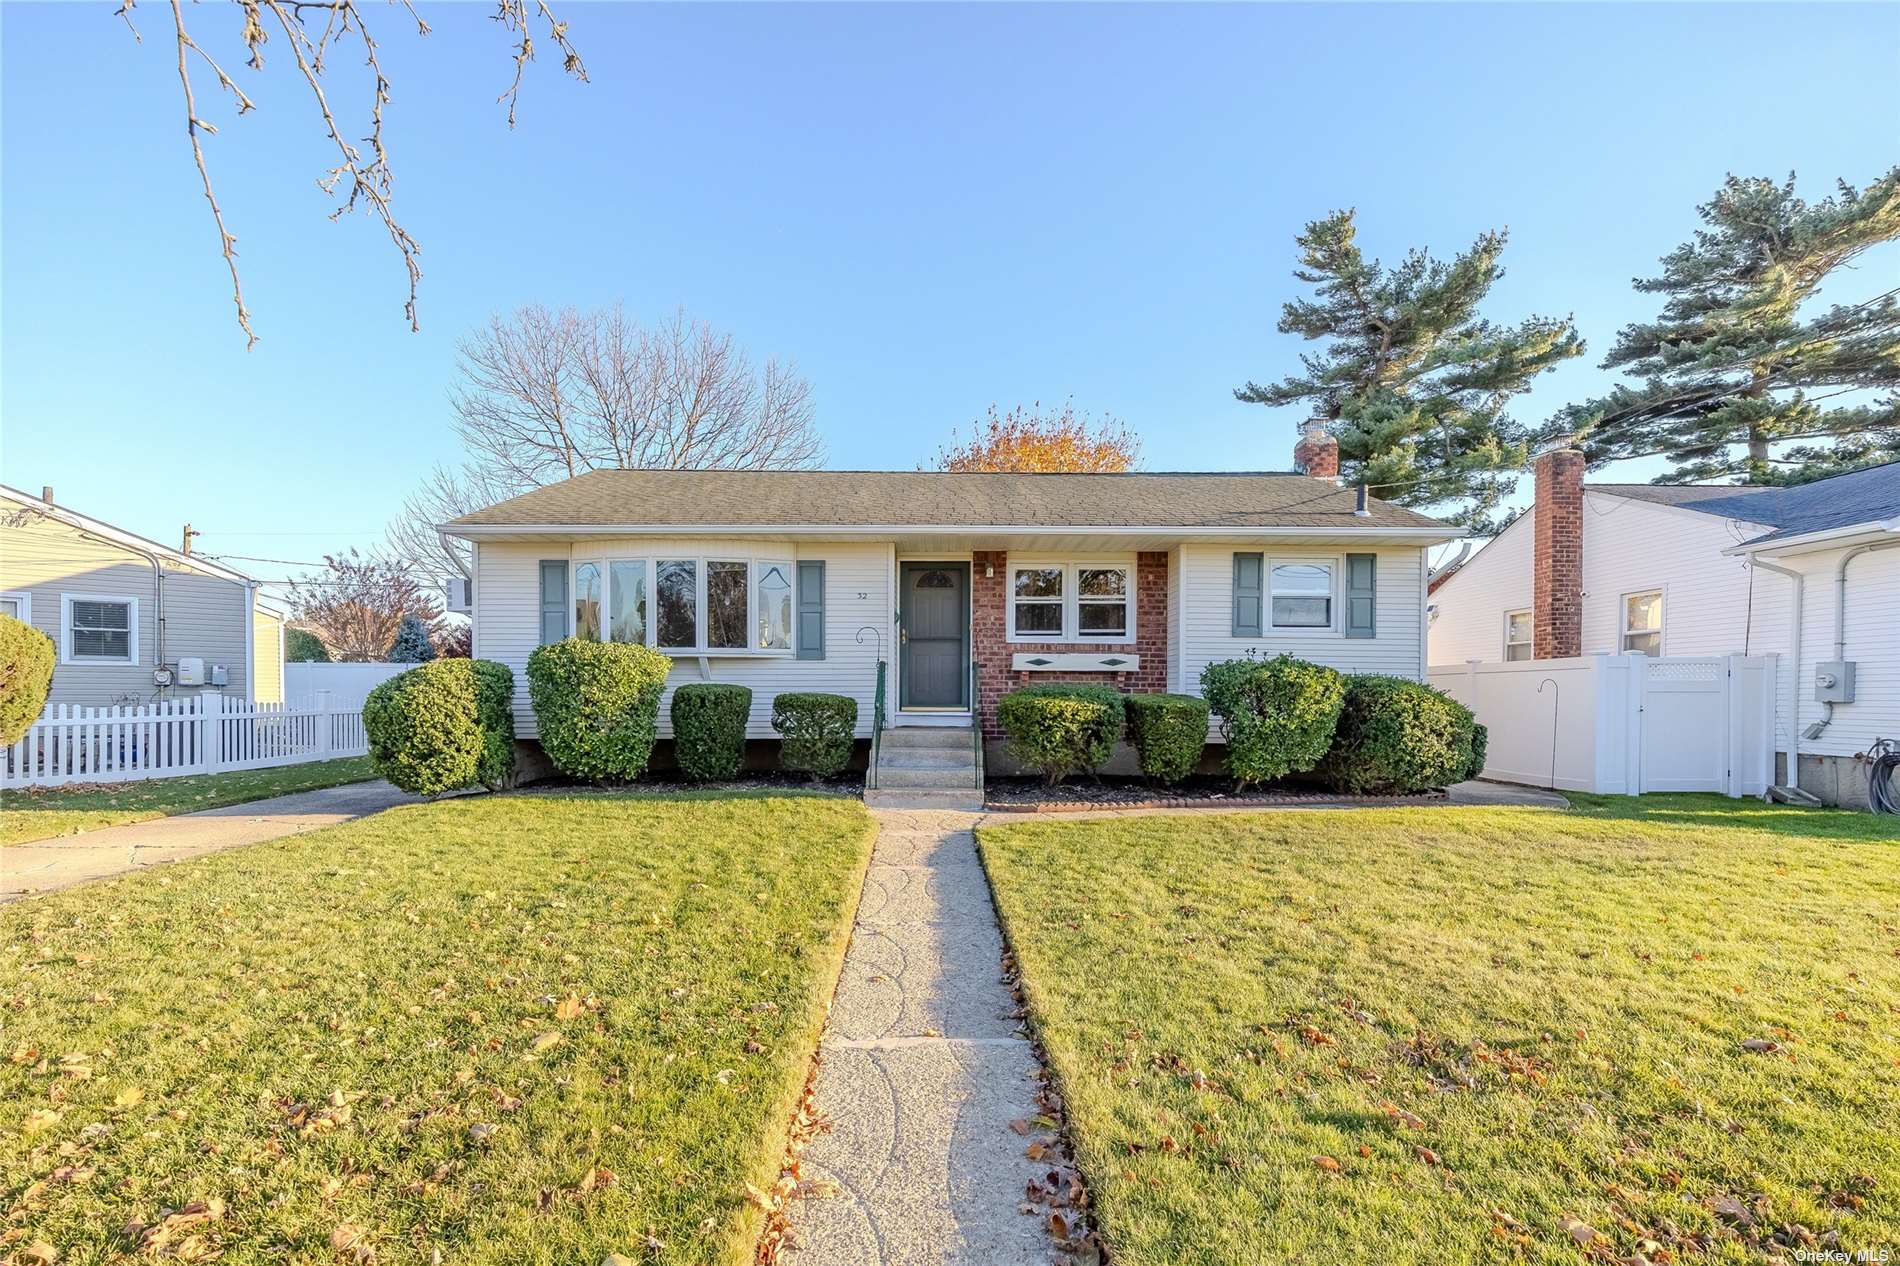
(1557, 573)
(1317, 452)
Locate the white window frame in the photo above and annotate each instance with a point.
(1336, 568)
(1623, 629)
(755, 563)
(1070, 567)
(25, 600)
(66, 655)
(1531, 641)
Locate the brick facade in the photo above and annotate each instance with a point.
(993, 651)
(1557, 570)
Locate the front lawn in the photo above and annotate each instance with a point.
(1471, 1035)
(39, 815)
(486, 1030)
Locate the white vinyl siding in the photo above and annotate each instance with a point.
(1471, 604)
(857, 591)
(1206, 617)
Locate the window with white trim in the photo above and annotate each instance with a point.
(18, 604)
(1301, 594)
(1069, 601)
(687, 606)
(1643, 622)
(99, 629)
(1517, 635)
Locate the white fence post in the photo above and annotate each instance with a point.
(211, 703)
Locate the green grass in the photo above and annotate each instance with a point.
(369, 1028)
(1558, 999)
(40, 815)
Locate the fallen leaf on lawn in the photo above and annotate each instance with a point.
(39, 1119)
(596, 1179)
(130, 1097)
(1327, 1163)
(1408, 1119)
(1734, 1210)
(1760, 1046)
(546, 1042)
(1020, 1125)
(1582, 1232)
(568, 1007)
(1315, 1036)
(1036, 1150)
(1430, 1157)
(615, 1259)
(481, 1131)
(724, 1076)
(757, 1197)
(40, 1251)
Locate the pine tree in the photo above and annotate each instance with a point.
(1733, 369)
(412, 643)
(1413, 382)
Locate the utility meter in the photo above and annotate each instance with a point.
(1834, 681)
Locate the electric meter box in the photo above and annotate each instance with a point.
(1834, 681)
(220, 675)
(191, 670)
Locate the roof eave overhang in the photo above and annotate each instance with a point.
(835, 531)
(1830, 538)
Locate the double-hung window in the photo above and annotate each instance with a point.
(1643, 622)
(18, 604)
(99, 629)
(1517, 635)
(699, 605)
(1071, 602)
(1300, 594)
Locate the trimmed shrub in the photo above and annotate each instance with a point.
(1277, 715)
(1061, 729)
(1169, 732)
(26, 674)
(301, 646)
(1480, 744)
(815, 731)
(1397, 736)
(444, 725)
(709, 728)
(598, 706)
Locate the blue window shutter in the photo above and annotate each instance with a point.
(553, 600)
(1248, 570)
(1362, 581)
(811, 608)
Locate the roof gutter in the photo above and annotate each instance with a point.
(476, 531)
(1823, 537)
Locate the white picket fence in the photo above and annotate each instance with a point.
(207, 734)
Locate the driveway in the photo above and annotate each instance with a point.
(45, 865)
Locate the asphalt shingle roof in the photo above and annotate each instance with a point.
(1860, 496)
(851, 498)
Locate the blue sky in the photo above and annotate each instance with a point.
(929, 209)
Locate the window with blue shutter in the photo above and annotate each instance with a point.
(1362, 578)
(1248, 571)
(811, 608)
(553, 600)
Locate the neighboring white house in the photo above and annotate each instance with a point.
(803, 580)
(1701, 571)
(132, 620)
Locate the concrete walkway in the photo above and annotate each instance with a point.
(46, 865)
(922, 1068)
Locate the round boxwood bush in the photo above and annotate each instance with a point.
(709, 728)
(1168, 732)
(1058, 730)
(301, 646)
(26, 674)
(444, 725)
(815, 731)
(597, 705)
(1277, 714)
(1398, 736)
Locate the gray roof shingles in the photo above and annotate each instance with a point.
(844, 498)
(1860, 496)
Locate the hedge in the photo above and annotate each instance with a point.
(444, 725)
(815, 731)
(1480, 744)
(1277, 715)
(1168, 733)
(1059, 730)
(26, 674)
(709, 729)
(1398, 736)
(598, 706)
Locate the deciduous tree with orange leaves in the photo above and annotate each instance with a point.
(1027, 440)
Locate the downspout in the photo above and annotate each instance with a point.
(1840, 620)
(1794, 653)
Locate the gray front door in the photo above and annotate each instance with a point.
(933, 645)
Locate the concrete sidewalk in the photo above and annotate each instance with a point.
(922, 1069)
(45, 865)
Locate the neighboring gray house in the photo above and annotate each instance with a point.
(132, 620)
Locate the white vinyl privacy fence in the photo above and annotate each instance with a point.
(207, 734)
(1625, 724)
(346, 685)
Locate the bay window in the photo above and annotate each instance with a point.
(687, 605)
(1071, 602)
